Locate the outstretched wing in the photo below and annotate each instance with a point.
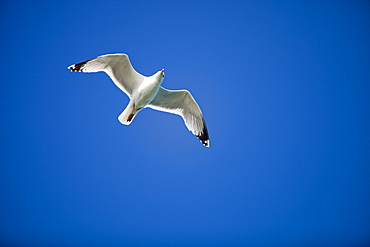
(117, 66)
(181, 102)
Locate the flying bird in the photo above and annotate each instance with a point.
(147, 92)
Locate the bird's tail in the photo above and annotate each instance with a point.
(127, 115)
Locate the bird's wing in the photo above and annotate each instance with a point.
(117, 66)
(181, 102)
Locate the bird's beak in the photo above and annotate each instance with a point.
(162, 70)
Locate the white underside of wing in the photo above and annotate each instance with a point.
(182, 103)
(117, 66)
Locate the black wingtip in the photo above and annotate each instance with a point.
(203, 137)
(78, 66)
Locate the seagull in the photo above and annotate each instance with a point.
(147, 92)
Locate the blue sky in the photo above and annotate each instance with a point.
(285, 91)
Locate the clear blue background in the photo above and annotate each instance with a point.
(285, 90)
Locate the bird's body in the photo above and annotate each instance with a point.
(141, 97)
(147, 92)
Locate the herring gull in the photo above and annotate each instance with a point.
(147, 92)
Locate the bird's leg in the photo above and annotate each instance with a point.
(130, 117)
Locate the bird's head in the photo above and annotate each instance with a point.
(160, 75)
